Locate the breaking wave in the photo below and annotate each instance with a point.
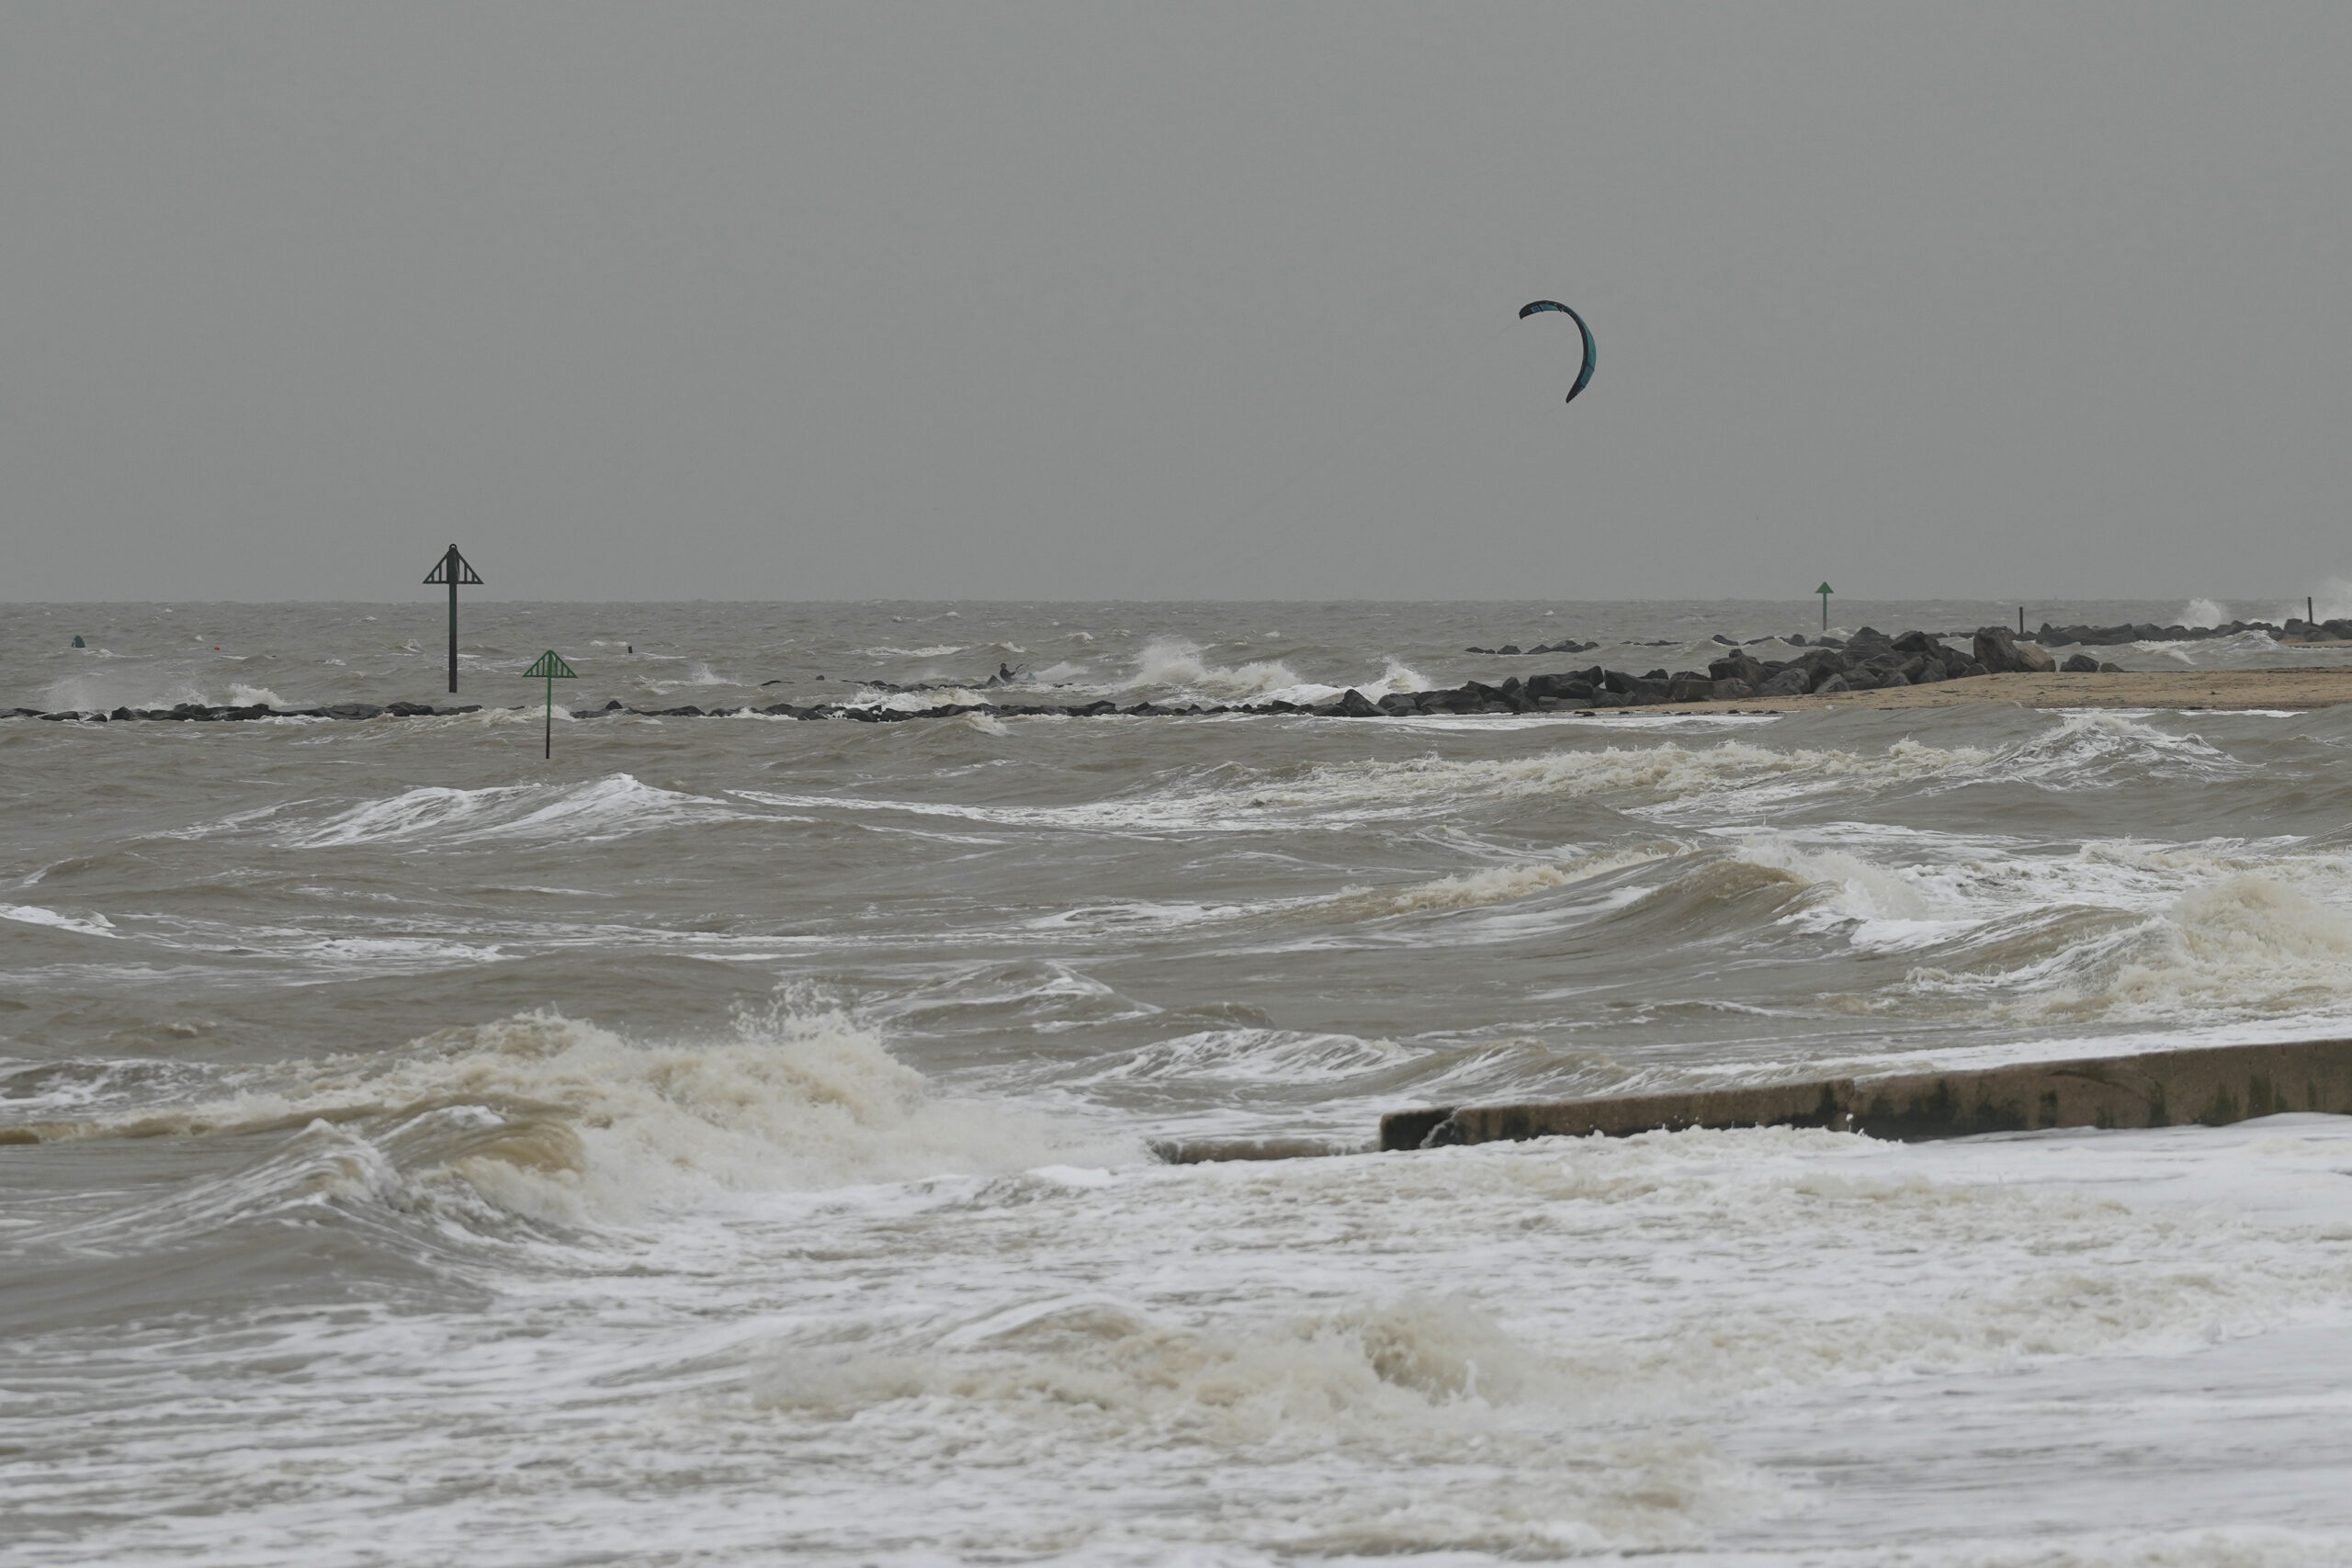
(602, 809)
(561, 1120)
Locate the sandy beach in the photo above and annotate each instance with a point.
(2184, 690)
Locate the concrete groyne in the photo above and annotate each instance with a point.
(2208, 1086)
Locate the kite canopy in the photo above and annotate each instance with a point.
(1584, 375)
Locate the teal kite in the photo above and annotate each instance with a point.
(1584, 375)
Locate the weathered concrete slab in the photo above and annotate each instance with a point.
(2210, 1085)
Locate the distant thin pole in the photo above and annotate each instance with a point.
(549, 752)
(2307, 609)
(2020, 620)
(453, 620)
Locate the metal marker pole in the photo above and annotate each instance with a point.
(453, 569)
(551, 665)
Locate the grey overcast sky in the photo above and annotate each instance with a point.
(1048, 300)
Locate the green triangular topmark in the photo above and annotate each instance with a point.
(1825, 588)
(552, 666)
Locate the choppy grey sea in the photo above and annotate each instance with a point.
(728, 1141)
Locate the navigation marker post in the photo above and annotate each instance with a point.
(551, 665)
(453, 569)
(1825, 590)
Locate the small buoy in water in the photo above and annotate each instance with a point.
(633, 648)
(79, 643)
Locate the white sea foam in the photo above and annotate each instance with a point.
(604, 808)
(2206, 613)
(90, 924)
(1175, 665)
(1258, 1055)
(1477, 889)
(102, 690)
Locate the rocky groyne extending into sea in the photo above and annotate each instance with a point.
(1869, 660)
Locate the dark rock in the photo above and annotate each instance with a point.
(2110, 668)
(1732, 691)
(1739, 666)
(1398, 703)
(409, 710)
(1835, 683)
(1792, 681)
(2081, 664)
(1794, 639)
(121, 713)
(1727, 642)
(1690, 689)
(1564, 686)
(1828, 642)
(1914, 642)
(1508, 647)
(1355, 704)
(347, 710)
(1929, 671)
(1996, 649)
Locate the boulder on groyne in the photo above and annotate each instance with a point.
(2207, 1086)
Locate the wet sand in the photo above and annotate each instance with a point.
(2182, 689)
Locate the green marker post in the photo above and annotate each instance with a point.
(551, 665)
(1825, 590)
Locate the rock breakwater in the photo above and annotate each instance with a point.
(1867, 662)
